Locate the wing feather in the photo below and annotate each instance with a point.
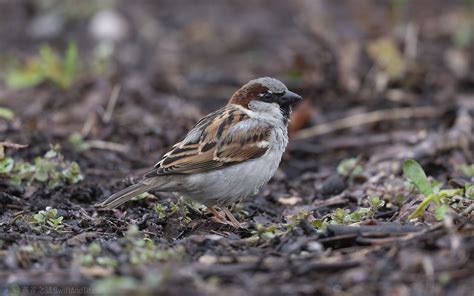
(225, 137)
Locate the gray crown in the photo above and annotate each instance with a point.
(272, 84)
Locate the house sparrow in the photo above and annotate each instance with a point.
(227, 155)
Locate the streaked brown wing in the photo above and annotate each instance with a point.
(222, 138)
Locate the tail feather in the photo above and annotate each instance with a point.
(125, 195)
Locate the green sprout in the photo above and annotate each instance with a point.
(165, 211)
(51, 169)
(6, 113)
(350, 168)
(47, 66)
(432, 191)
(48, 218)
(375, 203)
(78, 142)
(468, 170)
(469, 190)
(161, 210)
(265, 233)
(296, 219)
(6, 165)
(143, 250)
(345, 216)
(91, 257)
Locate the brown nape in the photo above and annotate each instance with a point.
(244, 95)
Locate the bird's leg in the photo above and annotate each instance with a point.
(231, 217)
(218, 217)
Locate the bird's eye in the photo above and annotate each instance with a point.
(267, 96)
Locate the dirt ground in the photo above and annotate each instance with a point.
(382, 81)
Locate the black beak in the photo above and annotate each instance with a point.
(289, 98)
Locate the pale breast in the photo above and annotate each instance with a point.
(226, 186)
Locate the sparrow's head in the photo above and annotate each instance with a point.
(266, 90)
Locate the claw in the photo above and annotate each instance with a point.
(218, 217)
(232, 219)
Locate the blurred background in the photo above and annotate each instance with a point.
(159, 65)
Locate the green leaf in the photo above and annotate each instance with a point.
(107, 261)
(441, 212)
(78, 142)
(51, 154)
(450, 192)
(469, 190)
(73, 173)
(375, 202)
(422, 207)
(41, 174)
(70, 63)
(414, 172)
(95, 249)
(6, 165)
(6, 113)
(23, 78)
(39, 218)
(349, 167)
(468, 170)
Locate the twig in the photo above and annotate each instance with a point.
(411, 41)
(389, 228)
(366, 118)
(89, 124)
(13, 145)
(335, 200)
(104, 145)
(111, 104)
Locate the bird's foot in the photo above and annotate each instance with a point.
(232, 219)
(220, 218)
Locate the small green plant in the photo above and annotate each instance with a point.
(266, 233)
(51, 169)
(376, 203)
(295, 220)
(47, 66)
(91, 257)
(143, 250)
(165, 211)
(6, 165)
(48, 218)
(161, 210)
(345, 216)
(350, 168)
(88, 258)
(78, 142)
(6, 113)
(432, 191)
(107, 262)
(469, 190)
(468, 170)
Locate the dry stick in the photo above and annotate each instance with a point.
(13, 145)
(104, 145)
(89, 124)
(366, 118)
(109, 110)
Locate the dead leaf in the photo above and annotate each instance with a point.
(385, 53)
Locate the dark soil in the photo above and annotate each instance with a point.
(176, 61)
